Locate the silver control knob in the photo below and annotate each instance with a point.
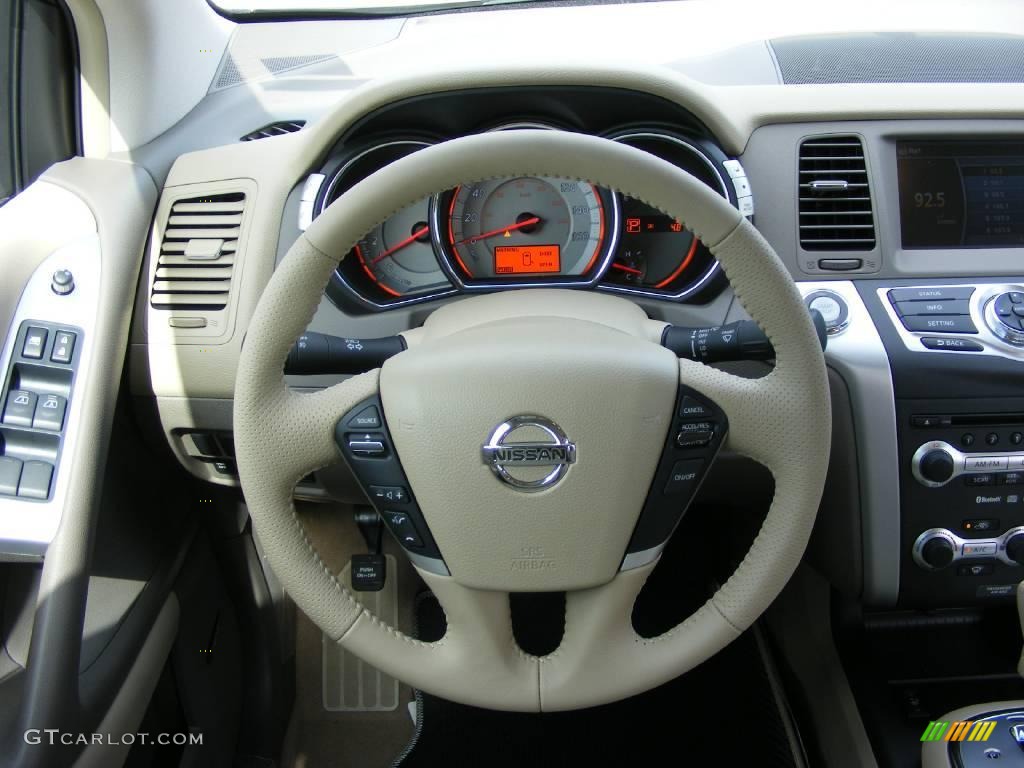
(63, 282)
(934, 464)
(1004, 315)
(935, 549)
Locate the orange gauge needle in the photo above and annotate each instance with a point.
(624, 268)
(399, 246)
(501, 230)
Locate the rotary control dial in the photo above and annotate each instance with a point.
(1004, 316)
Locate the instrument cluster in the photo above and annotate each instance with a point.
(528, 231)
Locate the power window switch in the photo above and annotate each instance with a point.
(35, 342)
(10, 474)
(35, 480)
(63, 347)
(49, 412)
(21, 407)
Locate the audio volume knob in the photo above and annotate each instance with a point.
(934, 466)
(1003, 316)
(938, 552)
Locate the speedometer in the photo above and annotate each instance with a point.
(529, 226)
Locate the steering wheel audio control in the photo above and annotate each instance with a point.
(938, 548)
(366, 444)
(1004, 316)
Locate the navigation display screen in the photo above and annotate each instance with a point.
(961, 194)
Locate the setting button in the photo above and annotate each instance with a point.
(683, 476)
(35, 341)
(404, 529)
(49, 412)
(21, 406)
(389, 494)
(63, 347)
(939, 323)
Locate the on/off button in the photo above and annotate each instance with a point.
(683, 477)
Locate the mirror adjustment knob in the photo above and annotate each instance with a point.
(937, 466)
(63, 282)
(1015, 548)
(938, 552)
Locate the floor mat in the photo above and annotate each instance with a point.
(724, 712)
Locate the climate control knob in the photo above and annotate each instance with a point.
(935, 549)
(934, 465)
(1015, 548)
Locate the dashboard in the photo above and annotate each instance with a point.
(532, 231)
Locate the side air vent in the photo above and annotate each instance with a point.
(197, 254)
(835, 200)
(274, 129)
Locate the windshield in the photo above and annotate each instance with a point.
(343, 7)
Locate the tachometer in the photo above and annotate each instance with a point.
(513, 229)
(398, 255)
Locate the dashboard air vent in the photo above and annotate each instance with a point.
(197, 254)
(274, 129)
(835, 199)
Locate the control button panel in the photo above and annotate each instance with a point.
(694, 439)
(366, 444)
(1004, 315)
(37, 388)
(939, 548)
(936, 463)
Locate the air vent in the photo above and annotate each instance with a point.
(197, 254)
(274, 129)
(835, 200)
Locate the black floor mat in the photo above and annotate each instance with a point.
(721, 713)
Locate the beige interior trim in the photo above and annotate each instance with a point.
(782, 420)
(94, 77)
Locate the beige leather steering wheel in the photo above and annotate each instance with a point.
(568, 356)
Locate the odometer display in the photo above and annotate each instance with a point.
(509, 228)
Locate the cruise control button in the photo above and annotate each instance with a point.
(389, 494)
(35, 480)
(21, 406)
(35, 341)
(694, 439)
(691, 408)
(63, 347)
(683, 476)
(368, 418)
(10, 473)
(404, 529)
(49, 413)
(940, 323)
(951, 345)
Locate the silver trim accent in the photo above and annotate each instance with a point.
(723, 187)
(451, 271)
(998, 326)
(643, 557)
(984, 293)
(429, 564)
(859, 356)
(966, 463)
(958, 546)
(337, 277)
(27, 527)
(491, 450)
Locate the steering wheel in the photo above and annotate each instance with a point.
(589, 363)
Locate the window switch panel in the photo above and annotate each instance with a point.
(63, 347)
(35, 343)
(35, 480)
